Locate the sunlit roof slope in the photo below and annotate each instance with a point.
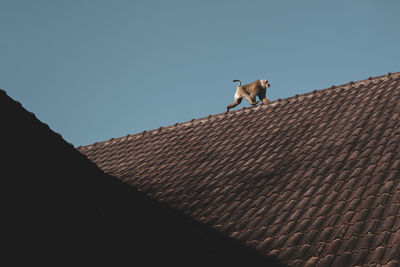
(313, 180)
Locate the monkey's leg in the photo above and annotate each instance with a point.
(251, 100)
(244, 94)
(236, 102)
(262, 97)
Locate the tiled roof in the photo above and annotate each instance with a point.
(313, 180)
(59, 209)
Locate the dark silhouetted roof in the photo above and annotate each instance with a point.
(312, 180)
(59, 209)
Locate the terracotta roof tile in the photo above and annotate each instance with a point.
(313, 179)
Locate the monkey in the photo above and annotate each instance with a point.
(250, 91)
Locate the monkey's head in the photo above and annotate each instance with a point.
(265, 83)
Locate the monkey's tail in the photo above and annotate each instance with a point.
(240, 83)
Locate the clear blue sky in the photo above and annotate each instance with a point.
(96, 69)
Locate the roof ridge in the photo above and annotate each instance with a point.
(279, 101)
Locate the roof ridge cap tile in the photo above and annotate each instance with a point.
(278, 102)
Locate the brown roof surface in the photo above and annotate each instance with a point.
(313, 179)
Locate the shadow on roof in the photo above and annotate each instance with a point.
(61, 210)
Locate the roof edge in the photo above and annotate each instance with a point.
(279, 101)
(17, 104)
